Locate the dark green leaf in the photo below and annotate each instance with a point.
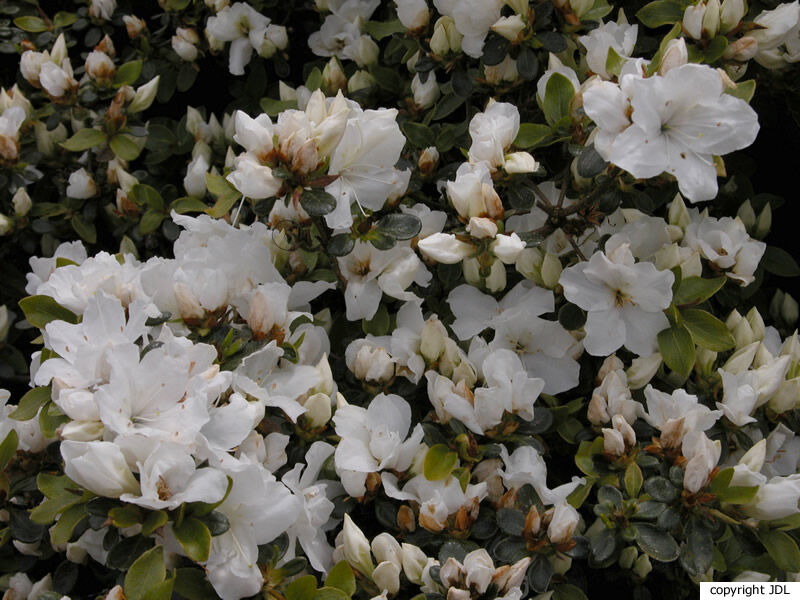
(84, 139)
(511, 521)
(69, 519)
(216, 522)
(603, 544)
(317, 202)
(40, 310)
(707, 331)
(610, 495)
(527, 64)
(125, 516)
(590, 163)
(192, 584)
(31, 402)
(650, 509)
(715, 49)
(418, 134)
(779, 262)
(439, 462)
(571, 317)
(381, 239)
(462, 83)
(187, 75)
(446, 106)
(567, 591)
(552, 41)
(186, 205)
(495, 50)
(661, 489)
(677, 349)
(379, 324)
(84, 229)
(540, 573)
(341, 244)
(656, 543)
(401, 226)
(698, 551)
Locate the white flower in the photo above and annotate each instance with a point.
(526, 466)
(374, 439)
(10, 121)
(245, 28)
(472, 193)
(624, 301)
(492, 131)
(57, 80)
(778, 26)
(473, 19)
(445, 248)
(725, 243)
(253, 179)
(663, 408)
(739, 397)
(413, 14)
(102, 9)
(81, 185)
(702, 455)
(369, 362)
(620, 37)
(100, 467)
(677, 123)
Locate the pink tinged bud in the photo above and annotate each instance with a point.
(562, 526)
(613, 444)
(742, 50)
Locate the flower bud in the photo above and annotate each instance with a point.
(704, 361)
(787, 396)
(741, 360)
(134, 26)
(642, 370)
(145, 94)
(562, 525)
(642, 566)
(100, 67)
(444, 248)
(458, 594)
(519, 162)
(551, 270)
(711, 19)
(507, 247)
(425, 94)
(613, 444)
(675, 55)
(184, 43)
(100, 467)
(756, 323)
(82, 431)
(22, 202)
(746, 212)
(743, 334)
(446, 38)
(356, 547)
(372, 364)
(506, 70)
(678, 214)
(764, 222)
(731, 13)
(387, 577)
(741, 50)
(366, 52)
(386, 548)
(333, 78)
(479, 568)
(432, 340)
(621, 425)
(789, 310)
(451, 572)
(428, 159)
(482, 228)
(360, 80)
(509, 27)
(414, 561)
(413, 14)
(81, 185)
(693, 20)
(318, 410)
(627, 557)
(4, 323)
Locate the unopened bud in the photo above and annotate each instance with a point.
(613, 444)
(678, 214)
(333, 77)
(360, 80)
(746, 213)
(432, 340)
(551, 270)
(675, 55)
(428, 159)
(22, 202)
(446, 38)
(405, 519)
(414, 561)
(642, 566)
(134, 25)
(509, 27)
(356, 547)
(731, 13)
(741, 360)
(145, 94)
(318, 410)
(387, 577)
(711, 19)
(764, 222)
(642, 370)
(693, 20)
(756, 323)
(627, 557)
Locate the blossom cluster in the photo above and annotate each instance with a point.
(463, 299)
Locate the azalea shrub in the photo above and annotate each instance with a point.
(429, 300)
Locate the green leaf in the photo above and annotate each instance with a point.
(379, 324)
(738, 494)
(147, 571)
(697, 553)
(590, 163)
(511, 521)
(317, 202)
(531, 134)
(633, 479)
(160, 591)
(495, 50)
(314, 80)
(447, 106)
(84, 229)
(124, 147)
(274, 107)
(150, 221)
(656, 543)
(187, 204)
(64, 19)
(195, 538)
(40, 310)
(226, 195)
(341, 244)
(694, 290)
(418, 134)
(302, 588)
(84, 139)
(51, 418)
(154, 520)
(31, 24)
(715, 48)
(125, 516)
(341, 576)
(744, 90)
(145, 195)
(8, 448)
(707, 331)
(782, 549)
(779, 262)
(677, 348)
(557, 97)
(567, 591)
(527, 64)
(614, 62)
(192, 584)
(330, 593)
(661, 12)
(439, 462)
(30, 403)
(128, 73)
(62, 531)
(603, 544)
(661, 489)
(382, 29)
(216, 522)
(401, 226)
